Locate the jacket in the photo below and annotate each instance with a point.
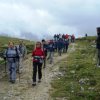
(38, 55)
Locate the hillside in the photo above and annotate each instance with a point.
(80, 78)
(5, 40)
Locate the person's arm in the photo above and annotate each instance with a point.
(33, 53)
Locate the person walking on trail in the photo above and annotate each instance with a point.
(55, 37)
(51, 51)
(73, 38)
(38, 56)
(45, 49)
(66, 45)
(60, 46)
(23, 51)
(98, 46)
(11, 55)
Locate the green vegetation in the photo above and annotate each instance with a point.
(81, 80)
(4, 42)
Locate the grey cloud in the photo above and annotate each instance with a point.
(36, 19)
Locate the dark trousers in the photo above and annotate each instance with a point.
(99, 57)
(37, 67)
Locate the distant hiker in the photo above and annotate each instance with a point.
(38, 56)
(63, 37)
(60, 46)
(66, 45)
(45, 49)
(55, 37)
(12, 55)
(98, 46)
(73, 38)
(55, 46)
(51, 51)
(86, 35)
(69, 39)
(23, 51)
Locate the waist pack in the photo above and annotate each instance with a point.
(38, 58)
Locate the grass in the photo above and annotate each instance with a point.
(81, 80)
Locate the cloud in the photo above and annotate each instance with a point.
(37, 19)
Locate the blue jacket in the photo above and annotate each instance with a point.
(60, 44)
(51, 47)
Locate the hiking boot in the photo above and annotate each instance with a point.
(39, 81)
(12, 81)
(44, 66)
(34, 84)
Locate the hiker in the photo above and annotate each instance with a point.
(55, 37)
(38, 56)
(98, 46)
(55, 46)
(23, 51)
(66, 45)
(51, 51)
(73, 38)
(86, 35)
(11, 55)
(60, 46)
(45, 49)
(63, 37)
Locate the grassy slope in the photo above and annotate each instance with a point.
(5, 40)
(80, 66)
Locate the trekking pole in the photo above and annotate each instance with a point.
(19, 69)
(5, 66)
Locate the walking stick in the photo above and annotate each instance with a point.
(19, 69)
(5, 66)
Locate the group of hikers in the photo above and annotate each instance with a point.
(43, 51)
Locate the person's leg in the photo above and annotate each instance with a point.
(45, 62)
(50, 57)
(13, 70)
(66, 48)
(10, 71)
(99, 57)
(39, 71)
(34, 72)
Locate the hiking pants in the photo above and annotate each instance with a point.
(66, 48)
(59, 52)
(37, 67)
(12, 70)
(99, 57)
(51, 54)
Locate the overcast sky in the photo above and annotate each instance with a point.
(36, 19)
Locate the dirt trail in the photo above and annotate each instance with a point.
(23, 90)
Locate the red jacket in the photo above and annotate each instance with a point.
(38, 52)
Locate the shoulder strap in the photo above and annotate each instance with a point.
(16, 51)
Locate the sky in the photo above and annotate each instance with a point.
(38, 19)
